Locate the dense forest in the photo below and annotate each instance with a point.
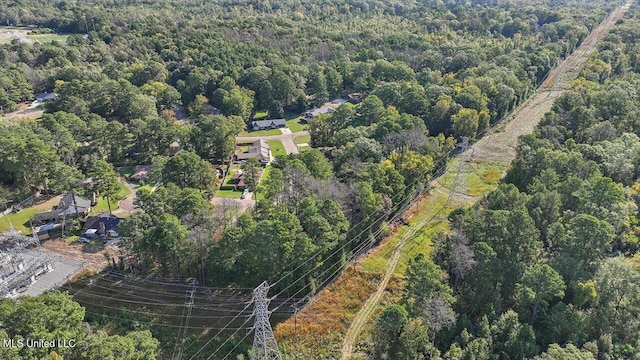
(429, 72)
(544, 267)
(55, 316)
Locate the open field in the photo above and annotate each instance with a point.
(8, 33)
(48, 38)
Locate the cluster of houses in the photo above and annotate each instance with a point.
(280, 123)
(72, 206)
(324, 109)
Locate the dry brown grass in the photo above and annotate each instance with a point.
(319, 328)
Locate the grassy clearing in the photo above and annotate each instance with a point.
(265, 175)
(49, 38)
(229, 194)
(21, 219)
(302, 139)
(232, 171)
(431, 207)
(481, 178)
(277, 148)
(259, 115)
(147, 187)
(295, 126)
(8, 32)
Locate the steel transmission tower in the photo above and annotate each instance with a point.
(265, 346)
(459, 187)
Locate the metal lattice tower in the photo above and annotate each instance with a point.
(458, 190)
(265, 346)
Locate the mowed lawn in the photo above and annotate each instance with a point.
(295, 126)
(49, 38)
(269, 132)
(277, 148)
(229, 194)
(304, 139)
(102, 204)
(20, 220)
(7, 34)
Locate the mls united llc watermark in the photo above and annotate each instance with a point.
(38, 343)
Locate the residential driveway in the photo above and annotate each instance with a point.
(290, 146)
(287, 140)
(127, 204)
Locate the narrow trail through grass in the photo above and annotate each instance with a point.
(497, 148)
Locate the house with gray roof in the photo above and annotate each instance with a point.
(268, 124)
(258, 150)
(45, 97)
(66, 207)
(319, 111)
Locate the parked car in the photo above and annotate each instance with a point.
(91, 233)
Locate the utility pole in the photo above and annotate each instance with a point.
(296, 308)
(265, 346)
(189, 304)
